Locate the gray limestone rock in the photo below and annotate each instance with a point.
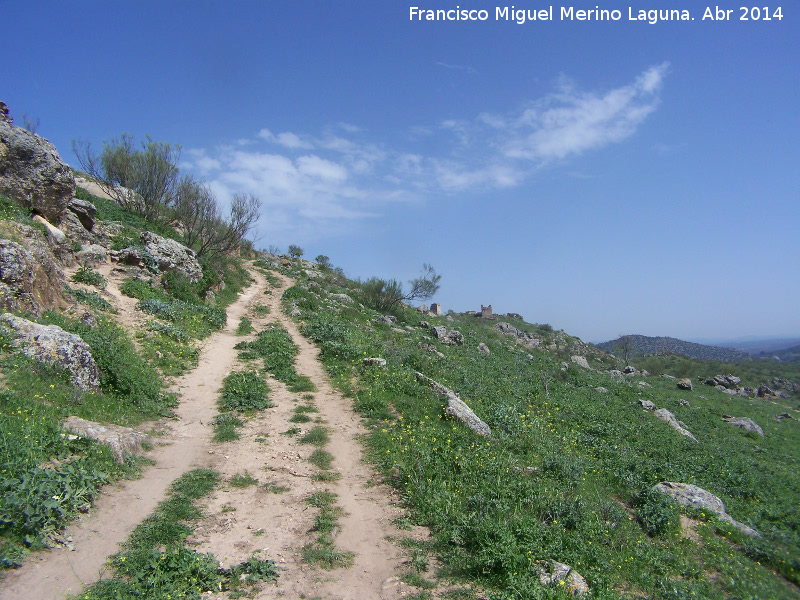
(552, 573)
(52, 345)
(456, 407)
(745, 423)
(696, 497)
(32, 172)
(665, 415)
(171, 255)
(123, 441)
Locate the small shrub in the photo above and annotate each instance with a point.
(90, 299)
(89, 276)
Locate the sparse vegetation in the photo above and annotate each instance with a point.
(156, 564)
(323, 550)
(566, 476)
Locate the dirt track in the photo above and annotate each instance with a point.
(241, 521)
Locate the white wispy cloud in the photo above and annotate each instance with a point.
(311, 183)
(570, 123)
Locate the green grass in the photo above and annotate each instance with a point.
(316, 436)
(89, 276)
(321, 458)
(261, 310)
(244, 391)
(299, 418)
(244, 327)
(155, 564)
(90, 299)
(226, 426)
(566, 472)
(274, 346)
(243, 480)
(323, 551)
(274, 488)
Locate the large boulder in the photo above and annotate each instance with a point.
(581, 361)
(685, 384)
(52, 345)
(32, 172)
(171, 255)
(30, 280)
(696, 497)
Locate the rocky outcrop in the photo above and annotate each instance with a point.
(449, 337)
(552, 573)
(342, 298)
(581, 361)
(456, 407)
(32, 173)
(171, 255)
(123, 441)
(53, 232)
(685, 384)
(696, 497)
(647, 405)
(30, 280)
(745, 423)
(84, 211)
(52, 345)
(526, 339)
(92, 254)
(483, 348)
(665, 415)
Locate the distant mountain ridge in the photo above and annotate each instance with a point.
(644, 345)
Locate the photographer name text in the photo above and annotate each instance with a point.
(521, 16)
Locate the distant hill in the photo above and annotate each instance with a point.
(755, 345)
(644, 345)
(786, 355)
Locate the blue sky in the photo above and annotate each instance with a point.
(605, 177)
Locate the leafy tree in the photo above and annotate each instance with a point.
(323, 261)
(148, 173)
(384, 295)
(204, 228)
(626, 344)
(295, 251)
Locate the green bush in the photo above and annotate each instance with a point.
(89, 276)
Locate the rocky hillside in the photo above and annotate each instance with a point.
(540, 466)
(642, 345)
(786, 355)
